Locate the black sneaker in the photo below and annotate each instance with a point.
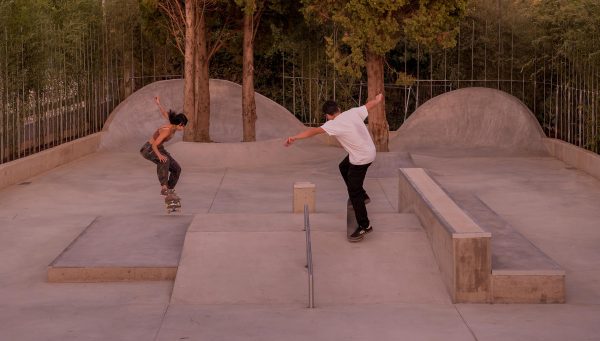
(354, 237)
(360, 233)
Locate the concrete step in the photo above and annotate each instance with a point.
(261, 258)
(414, 322)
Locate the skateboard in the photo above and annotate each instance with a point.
(172, 203)
(351, 223)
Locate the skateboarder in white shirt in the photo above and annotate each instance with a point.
(350, 130)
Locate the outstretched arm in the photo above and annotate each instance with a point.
(310, 132)
(374, 102)
(160, 107)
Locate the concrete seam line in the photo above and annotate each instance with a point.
(162, 321)
(386, 196)
(217, 191)
(466, 323)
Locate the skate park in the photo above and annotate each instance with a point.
(89, 252)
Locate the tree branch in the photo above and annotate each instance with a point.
(176, 14)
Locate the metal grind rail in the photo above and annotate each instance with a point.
(309, 265)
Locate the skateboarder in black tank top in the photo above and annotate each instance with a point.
(167, 169)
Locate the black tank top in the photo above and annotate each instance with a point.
(157, 133)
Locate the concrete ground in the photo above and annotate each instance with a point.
(245, 277)
(241, 273)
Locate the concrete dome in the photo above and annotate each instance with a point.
(137, 117)
(472, 120)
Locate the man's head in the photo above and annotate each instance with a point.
(330, 109)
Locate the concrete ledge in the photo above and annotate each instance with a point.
(460, 246)
(22, 169)
(123, 248)
(577, 157)
(112, 274)
(521, 273)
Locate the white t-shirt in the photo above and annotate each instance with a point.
(350, 130)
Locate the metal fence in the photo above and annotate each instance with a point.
(71, 88)
(560, 88)
(81, 82)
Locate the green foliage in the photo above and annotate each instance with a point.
(567, 26)
(435, 23)
(405, 79)
(378, 26)
(40, 36)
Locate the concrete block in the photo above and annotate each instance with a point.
(304, 193)
(528, 287)
(461, 247)
(473, 264)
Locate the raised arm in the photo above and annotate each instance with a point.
(160, 107)
(374, 102)
(310, 132)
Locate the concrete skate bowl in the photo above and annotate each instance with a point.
(136, 118)
(471, 122)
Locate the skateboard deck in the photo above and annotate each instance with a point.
(172, 204)
(351, 223)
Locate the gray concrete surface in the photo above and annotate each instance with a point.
(127, 241)
(552, 205)
(221, 263)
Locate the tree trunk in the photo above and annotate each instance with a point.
(202, 90)
(248, 101)
(378, 125)
(189, 79)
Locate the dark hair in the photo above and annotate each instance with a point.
(330, 107)
(177, 119)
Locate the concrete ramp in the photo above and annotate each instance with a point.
(471, 121)
(123, 248)
(260, 259)
(137, 117)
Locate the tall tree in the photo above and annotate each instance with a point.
(189, 79)
(252, 10)
(200, 46)
(372, 28)
(182, 23)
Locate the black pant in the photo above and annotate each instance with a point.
(354, 176)
(168, 172)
